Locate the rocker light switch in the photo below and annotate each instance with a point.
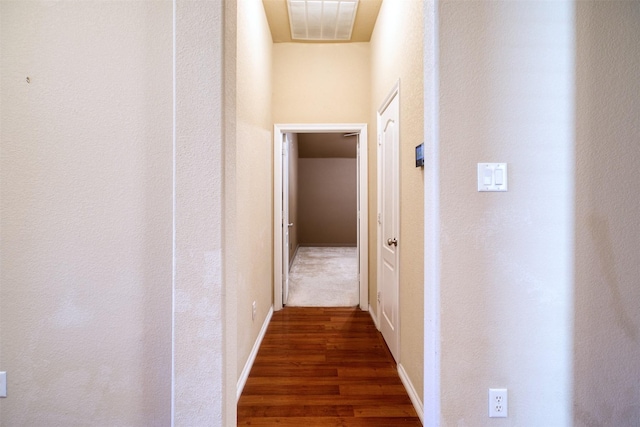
(488, 177)
(492, 177)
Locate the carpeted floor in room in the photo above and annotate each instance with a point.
(324, 277)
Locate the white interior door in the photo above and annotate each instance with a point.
(285, 217)
(388, 223)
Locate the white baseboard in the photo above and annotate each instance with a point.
(411, 391)
(408, 385)
(252, 356)
(374, 317)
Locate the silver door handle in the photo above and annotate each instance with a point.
(393, 242)
(290, 224)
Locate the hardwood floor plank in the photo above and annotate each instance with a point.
(385, 411)
(368, 371)
(376, 389)
(292, 381)
(301, 400)
(275, 388)
(297, 411)
(324, 367)
(331, 422)
(268, 371)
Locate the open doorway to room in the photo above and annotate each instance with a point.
(320, 215)
(322, 220)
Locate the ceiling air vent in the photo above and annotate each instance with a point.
(322, 20)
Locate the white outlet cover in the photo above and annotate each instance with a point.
(498, 403)
(3, 384)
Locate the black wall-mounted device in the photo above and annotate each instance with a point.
(420, 155)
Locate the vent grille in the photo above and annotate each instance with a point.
(322, 20)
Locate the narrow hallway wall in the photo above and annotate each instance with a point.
(396, 54)
(86, 212)
(303, 91)
(254, 175)
(328, 197)
(607, 295)
(506, 95)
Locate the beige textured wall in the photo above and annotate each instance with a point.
(327, 202)
(607, 293)
(254, 175)
(203, 310)
(86, 212)
(396, 53)
(228, 105)
(321, 83)
(506, 95)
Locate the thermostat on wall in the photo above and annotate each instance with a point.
(420, 155)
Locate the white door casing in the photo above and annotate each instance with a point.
(278, 189)
(389, 221)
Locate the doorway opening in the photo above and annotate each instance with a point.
(282, 225)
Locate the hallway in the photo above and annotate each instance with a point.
(324, 367)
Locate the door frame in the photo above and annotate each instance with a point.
(363, 209)
(285, 230)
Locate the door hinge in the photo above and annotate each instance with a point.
(378, 296)
(379, 218)
(379, 140)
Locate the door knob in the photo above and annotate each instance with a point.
(393, 242)
(290, 224)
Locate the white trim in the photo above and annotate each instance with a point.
(432, 353)
(173, 207)
(363, 200)
(374, 317)
(277, 218)
(395, 90)
(411, 391)
(244, 376)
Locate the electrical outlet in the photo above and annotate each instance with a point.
(253, 311)
(498, 403)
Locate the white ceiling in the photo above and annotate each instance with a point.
(278, 18)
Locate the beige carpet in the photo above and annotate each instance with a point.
(324, 277)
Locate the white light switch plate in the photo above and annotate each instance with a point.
(492, 177)
(3, 384)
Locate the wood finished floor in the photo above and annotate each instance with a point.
(324, 367)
